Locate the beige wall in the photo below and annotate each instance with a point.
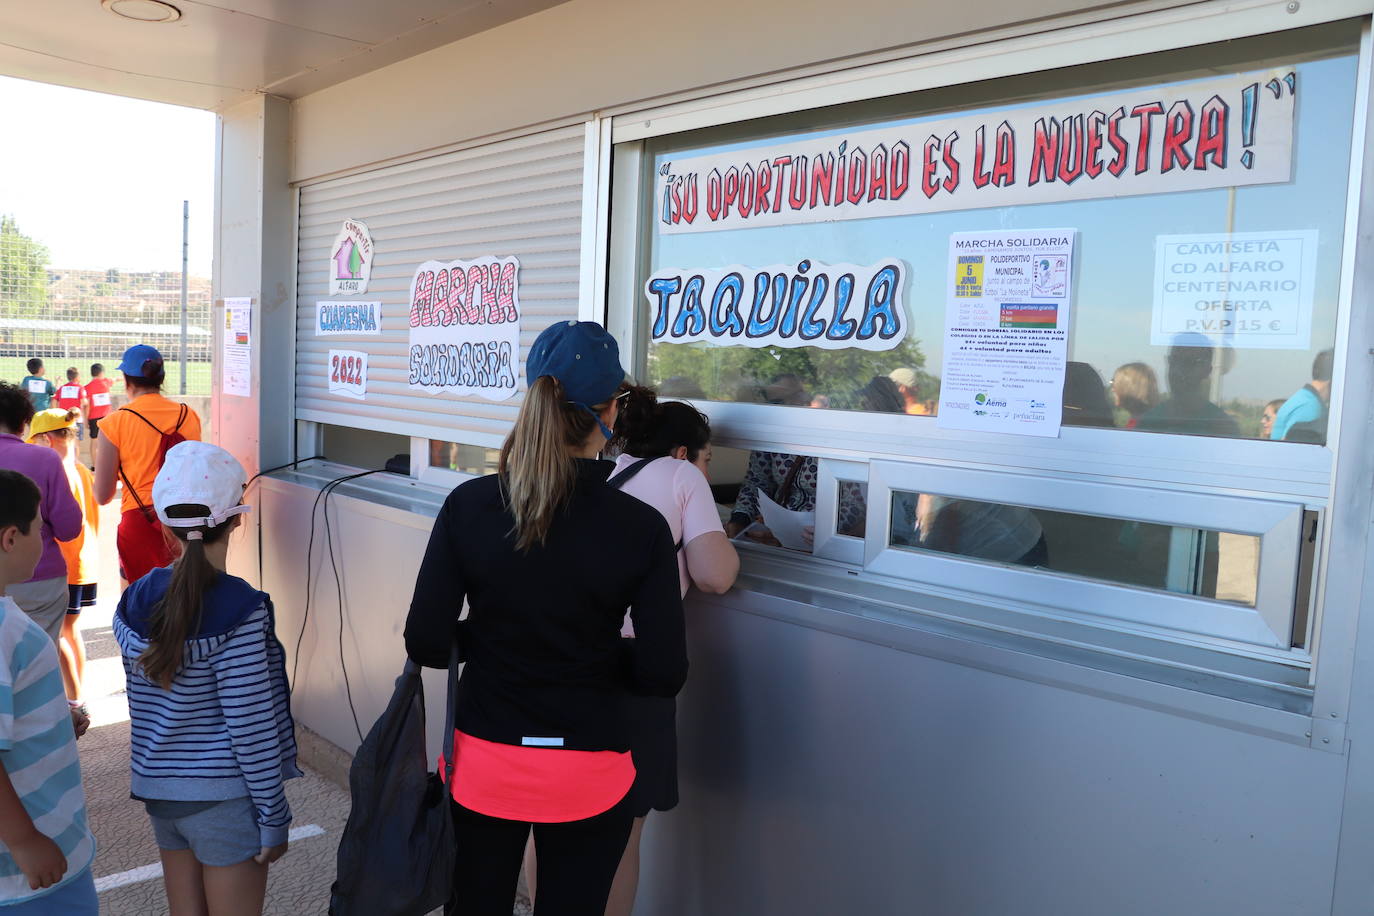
(587, 55)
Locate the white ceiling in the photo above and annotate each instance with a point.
(223, 52)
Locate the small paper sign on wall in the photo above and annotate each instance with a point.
(350, 259)
(348, 373)
(236, 350)
(347, 318)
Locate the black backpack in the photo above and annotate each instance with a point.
(396, 854)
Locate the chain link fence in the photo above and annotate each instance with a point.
(76, 317)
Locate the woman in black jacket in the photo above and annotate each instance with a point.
(548, 558)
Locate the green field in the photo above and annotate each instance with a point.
(197, 374)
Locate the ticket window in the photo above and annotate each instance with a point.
(1206, 317)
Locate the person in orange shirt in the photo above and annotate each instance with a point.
(56, 429)
(133, 441)
(909, 386)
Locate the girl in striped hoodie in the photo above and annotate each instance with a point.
(212, 737)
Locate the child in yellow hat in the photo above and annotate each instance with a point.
(56, 429)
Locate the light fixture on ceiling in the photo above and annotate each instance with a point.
(143, 10)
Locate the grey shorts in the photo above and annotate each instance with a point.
(226, 833)
(40, 600)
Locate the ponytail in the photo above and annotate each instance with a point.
(536, 468)
(177, 616)
(650, 428)
(151, 374)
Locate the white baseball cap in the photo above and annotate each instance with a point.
(199, 474)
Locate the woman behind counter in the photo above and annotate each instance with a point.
(548, 558)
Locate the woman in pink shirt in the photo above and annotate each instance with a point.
(665, 456)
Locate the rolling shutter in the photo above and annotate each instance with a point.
(519, 197)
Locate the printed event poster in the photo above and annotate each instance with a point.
(806, 304)
(350, 259)
(1186, 136)
(237, 348)
(334, 319)
(465, 327)
(1006, 330)
(1245, 289)
(348, 373)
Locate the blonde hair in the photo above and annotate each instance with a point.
(1136, 388)
(536, 468)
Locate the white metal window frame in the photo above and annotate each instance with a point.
(1304, 475)
(961, 62)
(1302, 472)
(1266, 626)
(829, 543)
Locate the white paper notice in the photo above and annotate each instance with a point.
(788, 525)
(1007, 330)
(237, 349)
(348, 373)
(1245, 289)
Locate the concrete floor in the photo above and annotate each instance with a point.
(126, 870)
(125, 864)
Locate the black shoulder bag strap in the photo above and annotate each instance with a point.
(454, 660)
(619, 480)
(616, 481)
(129, 487)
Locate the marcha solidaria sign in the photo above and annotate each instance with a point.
(465, 327)
(1187, 136)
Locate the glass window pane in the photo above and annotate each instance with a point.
(851, 510)
(467, 459)
(1212, 381)
(1189, 561)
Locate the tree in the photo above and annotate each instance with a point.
(738, 373)
(23, 272)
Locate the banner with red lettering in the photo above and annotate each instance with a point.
(465, 327)
(1186, 136)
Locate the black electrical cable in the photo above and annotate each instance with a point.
(327, 489)
(310, 560)
(280, 467)
(338, 588)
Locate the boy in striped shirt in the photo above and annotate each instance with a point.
(46, 847)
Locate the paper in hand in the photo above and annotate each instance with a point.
(787, 524)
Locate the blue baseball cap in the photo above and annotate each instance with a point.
(582, 356)
(135, 357)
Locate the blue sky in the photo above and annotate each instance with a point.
(100, 179)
